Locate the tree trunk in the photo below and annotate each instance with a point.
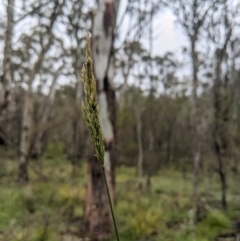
(7, 63)
(151, 97)
(97, 212)
(26, 130)
(140, 148)
(45, 115)
(169, 146)
(195, 125)
(77, 121)
(222, 174)
(224, 189)
(196, 166)
(25, 137)
(221, 114)
(77, 144)
(220, 124)
(238, 237)
(122, 97)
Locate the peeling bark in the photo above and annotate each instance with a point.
(97, 212)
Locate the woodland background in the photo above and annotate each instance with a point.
(171, 123)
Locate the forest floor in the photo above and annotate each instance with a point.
(50, 207)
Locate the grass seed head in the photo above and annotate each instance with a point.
(90, 106)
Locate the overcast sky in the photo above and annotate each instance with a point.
(168, 35)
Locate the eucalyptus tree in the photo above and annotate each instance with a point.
(7, 63)
(126, 60)
(97, 213)
(192, 15)
(77, 20)
(104, 32)
(138, 106)
(30, 54)
(222, 35)
(235, 93)
(41, 127)
(168, 83)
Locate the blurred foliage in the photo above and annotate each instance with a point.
(55, 149)
(44, 210)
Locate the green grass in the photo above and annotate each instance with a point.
(45, 209)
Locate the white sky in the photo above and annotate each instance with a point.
(168, 35)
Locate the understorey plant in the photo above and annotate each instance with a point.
(91, 115)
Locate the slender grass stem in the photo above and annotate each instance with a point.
(110, 203)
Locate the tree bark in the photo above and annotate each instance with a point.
(26, 129)
(195, 124)
(77, 121)
(150, 99)
(221, 113)
(97, 212)
(140, 148)
(37, 150)
(220, 139)
(192, 21)
(122, 97)
(25, 137)
(27, 109)
(169, 145)
(7, 63)
(27, 115)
